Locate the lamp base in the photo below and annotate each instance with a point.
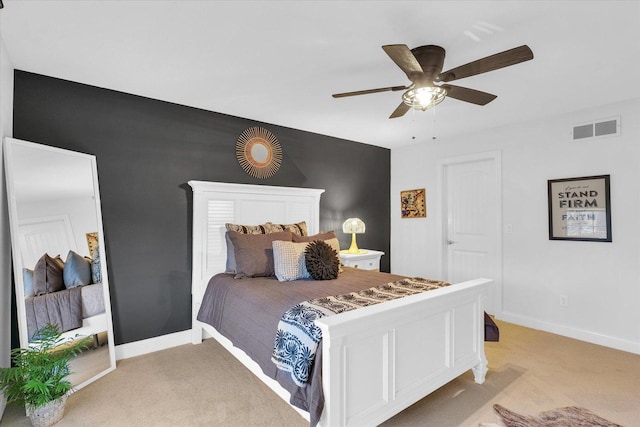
(356, 252)
(353, 249)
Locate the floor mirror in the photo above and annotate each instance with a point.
(57, 242)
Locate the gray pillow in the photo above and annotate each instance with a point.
(231, 255)
(47, 275)
(298, 229)
(240, 228)
(254, 253)
(77, 270)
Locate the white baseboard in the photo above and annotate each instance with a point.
(138, 348)
(567, 331)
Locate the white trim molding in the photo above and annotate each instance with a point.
(571, 332)
(150, 345)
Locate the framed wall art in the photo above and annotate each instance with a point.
(413, 203)
(580, 209)
(92, 243)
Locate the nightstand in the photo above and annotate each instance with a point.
(368, 261)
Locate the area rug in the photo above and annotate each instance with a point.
(571, 416)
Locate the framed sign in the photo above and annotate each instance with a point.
(580, 209)
(413, 204)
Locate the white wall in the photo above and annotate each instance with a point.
(6, 129)
(602, 280)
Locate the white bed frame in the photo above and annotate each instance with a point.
(377, 360)
(90, 326)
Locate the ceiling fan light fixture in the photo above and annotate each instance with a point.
(423, 67)
(422, 98)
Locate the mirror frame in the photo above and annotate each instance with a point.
(10, 175)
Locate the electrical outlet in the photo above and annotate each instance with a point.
(564, 300)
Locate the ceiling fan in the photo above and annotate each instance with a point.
(423, 66)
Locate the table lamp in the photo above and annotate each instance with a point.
(353, 226)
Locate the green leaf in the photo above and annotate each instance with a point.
(39, 372)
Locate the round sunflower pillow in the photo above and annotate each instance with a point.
(321, 260)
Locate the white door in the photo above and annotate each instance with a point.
(471, 203)
(52, 235)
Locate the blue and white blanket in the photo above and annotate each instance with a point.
(298, 336)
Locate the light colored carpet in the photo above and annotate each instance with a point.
(529, 372)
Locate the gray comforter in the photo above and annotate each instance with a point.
(62, 308)
(247, 312)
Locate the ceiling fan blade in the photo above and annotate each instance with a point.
(400, 111)
(403, 57)
(364, 92)
(468, 95)
(490, 63)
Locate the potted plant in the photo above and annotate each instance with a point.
(38, 376)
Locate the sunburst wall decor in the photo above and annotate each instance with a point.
(259, 152)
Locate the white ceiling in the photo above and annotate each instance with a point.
(280, 61)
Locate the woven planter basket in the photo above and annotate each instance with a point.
(47, 415)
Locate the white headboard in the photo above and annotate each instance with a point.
(216, 203)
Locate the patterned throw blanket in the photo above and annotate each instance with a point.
(298, 336)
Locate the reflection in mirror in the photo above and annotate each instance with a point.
(58, 251)
(260, 153)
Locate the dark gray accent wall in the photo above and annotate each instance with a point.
(146, 152)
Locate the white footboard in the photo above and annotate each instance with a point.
(381, 359)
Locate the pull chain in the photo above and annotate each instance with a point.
(433, 129)
(413, 123)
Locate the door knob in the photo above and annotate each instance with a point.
(450, 242)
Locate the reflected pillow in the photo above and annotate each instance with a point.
(288, 260)
(96, 269)
(77, 270)
(254, 253)
(47, 275)
(27, 279)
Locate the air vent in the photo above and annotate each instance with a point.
(601, 128)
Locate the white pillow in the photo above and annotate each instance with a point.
(288, 260)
